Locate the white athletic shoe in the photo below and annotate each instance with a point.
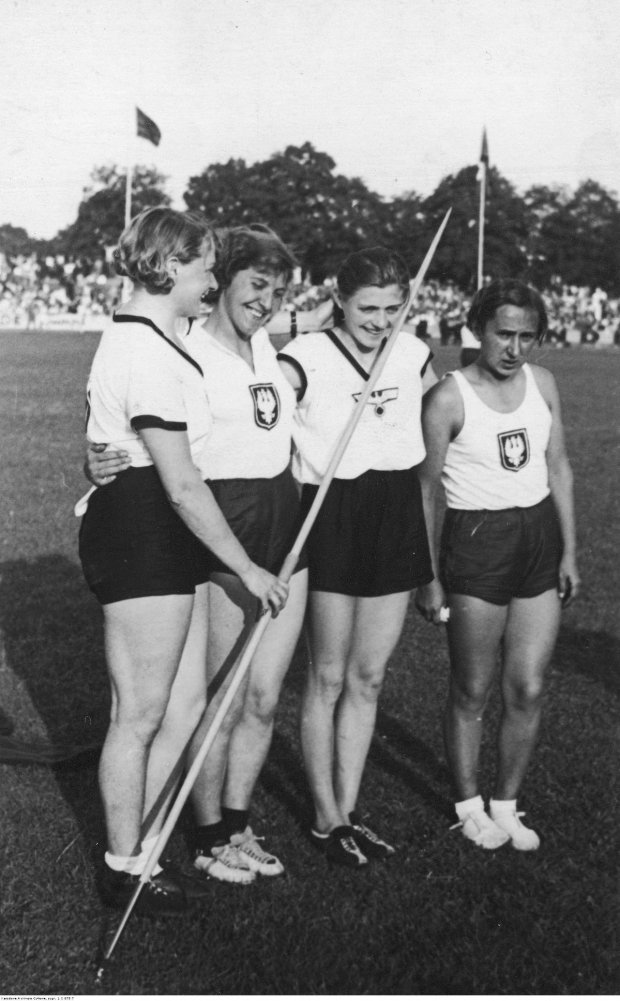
(248, 848)
(478, 827)
(226, 864)
(523, 838)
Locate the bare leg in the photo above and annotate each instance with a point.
(144, 640)
(186, 706)
(251, 738)
(232, 613)
(331, 627)
(377, 627)
(474, 635)
(531, 632)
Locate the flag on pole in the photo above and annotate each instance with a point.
(147, 128)
(484, 156)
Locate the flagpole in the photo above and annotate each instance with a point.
(483, 179)
(129, 175)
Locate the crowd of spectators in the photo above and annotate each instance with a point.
(59, 291)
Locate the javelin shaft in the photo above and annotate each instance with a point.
(286, 573)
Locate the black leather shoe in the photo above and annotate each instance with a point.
(340, 847)
(162, 894)
(196, 888)
(370, 843)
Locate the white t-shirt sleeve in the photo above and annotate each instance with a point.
(155, 395)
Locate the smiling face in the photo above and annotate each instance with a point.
(251, 298)
(507, 340)
(370, 313)
(193, 280)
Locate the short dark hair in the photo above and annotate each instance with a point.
(153, 236)
(254, 246)
(376, 266)
(506, 292)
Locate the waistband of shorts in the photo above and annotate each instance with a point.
(285, 475)
(501, 510)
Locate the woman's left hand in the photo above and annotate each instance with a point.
(569, 581)
(101, 467)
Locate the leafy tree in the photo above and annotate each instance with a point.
(550, 233)
(505, 232)
(321, 214)
(101, 214)
(15, 240)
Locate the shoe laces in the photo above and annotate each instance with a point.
(479, 817)
(229, 855)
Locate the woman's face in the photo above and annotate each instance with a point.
(507, 340)
(251, 298)
(370, 314)
(193, 280)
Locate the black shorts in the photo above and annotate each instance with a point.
(134, 545)
(499, 555)
(264, 515)
(369, 538)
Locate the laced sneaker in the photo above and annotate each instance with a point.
(523, 838)
(257, 860)
(370, 843)
(478, 827)
(340, 847)
(224, 863)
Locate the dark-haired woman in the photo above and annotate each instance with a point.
(144, 538)
(494, 437)
(368, 547)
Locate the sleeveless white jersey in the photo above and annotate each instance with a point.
(498, 460)
(388, 435)
(140, 379)
(251, 410)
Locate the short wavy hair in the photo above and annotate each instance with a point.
(254, 246)
(376, 266)
(155, 235)
(506, 292)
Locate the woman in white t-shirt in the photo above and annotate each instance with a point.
(144, 540)
(368, 548)
(494, 437)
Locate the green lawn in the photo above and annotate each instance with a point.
(440, 917)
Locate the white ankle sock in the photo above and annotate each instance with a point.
(121, 863)
(466, 806)
(502, 806)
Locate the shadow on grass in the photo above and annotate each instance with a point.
(52, 640)
(596, 655)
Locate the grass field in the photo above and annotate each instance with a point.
(441, 917)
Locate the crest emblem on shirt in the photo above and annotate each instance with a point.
(266, 405)
(379, 398)
(514, 449)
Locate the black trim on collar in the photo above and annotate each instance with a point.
(350, 358)
(126, 318)
(301, 392)
(427, 362)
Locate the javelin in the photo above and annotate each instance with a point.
(288, 568)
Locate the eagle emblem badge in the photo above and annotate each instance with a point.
(266, 405)
(514, 449)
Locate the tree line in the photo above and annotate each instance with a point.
(548, 232)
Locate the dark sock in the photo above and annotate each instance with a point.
(209, 835)
(235, 821)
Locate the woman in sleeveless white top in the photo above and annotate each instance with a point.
(494, 437)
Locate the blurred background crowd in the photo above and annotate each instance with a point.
(37, 293)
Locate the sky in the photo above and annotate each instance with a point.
(396, 91)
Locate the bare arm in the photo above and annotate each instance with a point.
(442, 419)
(101, 466)
(195, 504)
(307, 319)
(561, 487)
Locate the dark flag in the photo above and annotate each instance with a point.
(147, 128)
(484, 152)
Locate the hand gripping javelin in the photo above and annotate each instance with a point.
(288, 569)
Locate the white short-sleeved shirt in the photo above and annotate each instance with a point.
(141, 379)
(388, 436)
(251, 407)
(498, 460)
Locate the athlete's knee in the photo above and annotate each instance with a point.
(261, 704)
(469, 696)
(139, 721)
(326, 681)
(365, 681)
(524, 694)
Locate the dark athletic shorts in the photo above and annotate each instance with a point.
(264, 515)
(134, 545)
(370, 535)
(499, 555)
